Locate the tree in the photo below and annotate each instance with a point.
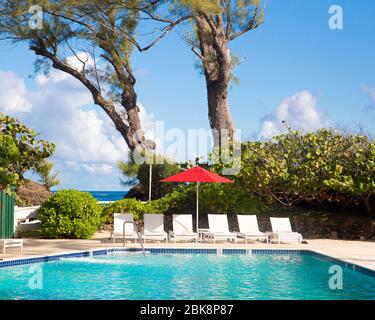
(138, 177)
(47, 176)
(216, 24)
(20, 151)
(8, 155)
(101, 36)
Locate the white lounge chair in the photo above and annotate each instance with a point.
(282, 231)
(154, 227)
(183, 228)
(11, 243)
(249, 229)
(120, 221)
(219, 230)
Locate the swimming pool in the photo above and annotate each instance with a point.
(183, 276)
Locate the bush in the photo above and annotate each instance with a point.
(213, 198)
(136, 207)
(70, 214)
(320, 168)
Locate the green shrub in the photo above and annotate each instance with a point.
(70, 214)
(134, 206)
(213, 198)
(180, 200)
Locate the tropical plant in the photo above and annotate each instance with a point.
(70, 214)
(20, 151)
(47, 176)
(322, 166)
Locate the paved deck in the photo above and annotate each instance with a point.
(357, 252)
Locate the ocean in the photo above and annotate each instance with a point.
(108, 195)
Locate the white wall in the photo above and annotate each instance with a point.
(24, 213)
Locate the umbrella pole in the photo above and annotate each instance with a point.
(150, 185)
(197, 206)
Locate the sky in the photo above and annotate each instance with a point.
(294, 68)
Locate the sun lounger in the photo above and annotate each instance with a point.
(249, 229)
(154, 227)
(121, 221)
(282, 231)
(183, 228)
(219, 229)
(11, 243)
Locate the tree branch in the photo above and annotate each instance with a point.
(198, 54)
(252, 25)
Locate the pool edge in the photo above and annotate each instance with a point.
(219, 251)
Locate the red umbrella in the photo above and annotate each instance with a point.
(197, 174)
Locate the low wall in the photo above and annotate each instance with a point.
(310, 225)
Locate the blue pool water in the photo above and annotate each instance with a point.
(187, 277)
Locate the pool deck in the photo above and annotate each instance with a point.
(356, 252)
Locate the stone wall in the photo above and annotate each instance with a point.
(311, 226)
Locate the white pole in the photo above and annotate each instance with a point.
(150, 184)
(197, 205)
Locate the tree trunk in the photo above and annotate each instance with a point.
(135, 133)
(218, 112)
(217, 66)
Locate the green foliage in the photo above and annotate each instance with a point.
(129, 170)
(180, 200)
(207, 6)
(47, 176)
(20, 151)
(8, 155)
(228, 199)
(313, 167)
(70, 214)
(319, 168)
(213, 198)
(229, 18)
(136, 207)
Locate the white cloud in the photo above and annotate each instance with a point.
(13, 94)
(298, 112)
(98, 169)
(78, 62)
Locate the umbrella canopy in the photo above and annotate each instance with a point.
(198, 175)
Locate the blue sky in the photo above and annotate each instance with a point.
(293, 66)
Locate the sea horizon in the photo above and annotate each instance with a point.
(104, 195)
